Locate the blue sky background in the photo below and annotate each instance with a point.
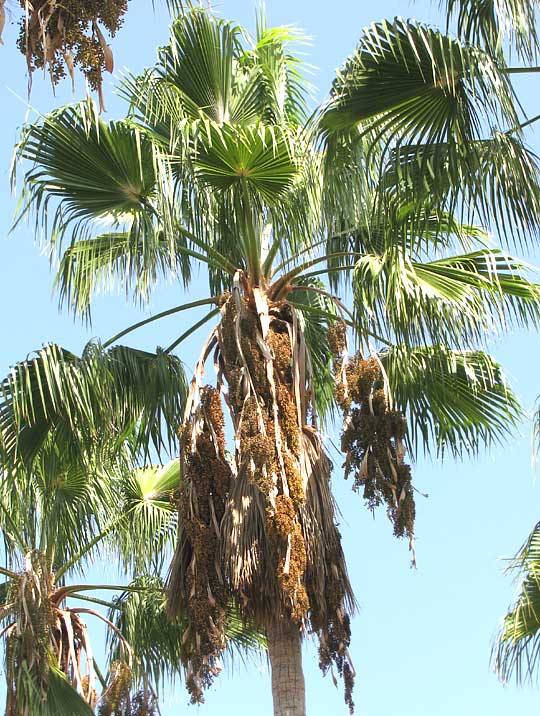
(422, 639)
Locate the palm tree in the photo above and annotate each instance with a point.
(377, 194)
(71, 430)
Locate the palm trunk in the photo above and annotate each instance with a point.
(285, 651)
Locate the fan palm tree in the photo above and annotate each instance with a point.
(70, 436)
(377, 194)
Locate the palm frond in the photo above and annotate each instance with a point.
(455, 299)
(517, 650)
(456, 402)
(423, 99)
(411, 81)
(318, 311)
(118, 393)
(199, 62)
(157, 642)
(96, 170)
(147, 536)
(491, 24)
(492, 180)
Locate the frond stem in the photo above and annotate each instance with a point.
(88, 546)
(520, 70)
(157, 316)
(95, 600)
(8, 573)
(191, 330)
(523, 125)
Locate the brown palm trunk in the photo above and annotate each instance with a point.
(285, 652)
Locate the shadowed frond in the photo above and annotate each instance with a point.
(121, 392)
(493, 180)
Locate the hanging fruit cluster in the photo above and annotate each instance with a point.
(117, 699)
(373, 437)
(201, 507)
(58, 36)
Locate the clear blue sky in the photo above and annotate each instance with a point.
(422, 639)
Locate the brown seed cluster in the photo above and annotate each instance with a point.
(332, 623)
(337, 338)
(59, 36)
(373, 442)
(116, 699)
(201, 506)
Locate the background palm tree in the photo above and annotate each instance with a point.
(379, 191)
(72, 431)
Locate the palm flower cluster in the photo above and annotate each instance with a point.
(59, 36)
(373, 438)
(260, 528)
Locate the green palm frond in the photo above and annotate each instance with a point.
(421, 101)
(493, 180)
(318, 311)
(199, 63)
(118, 393)
(147, 536)
(259, 157)
(411, 82)
(457, 402)
(490, 24)
(135, 260)
(95, 169)
(456, 299)
(62, 698)
(517, 650)
(280, 83)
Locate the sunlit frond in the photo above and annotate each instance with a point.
(492, 23)
(457, 299)
(456, 402)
